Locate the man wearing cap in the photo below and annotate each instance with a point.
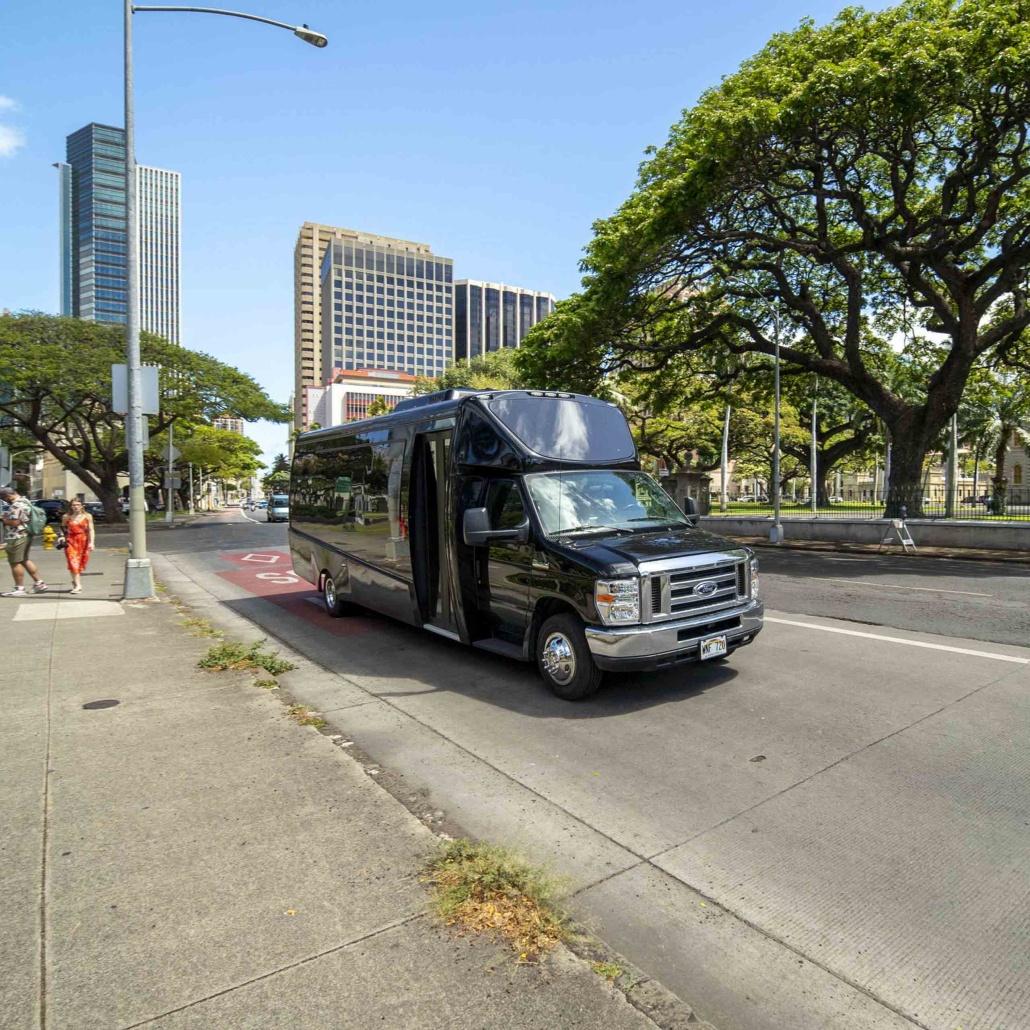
(18, 542)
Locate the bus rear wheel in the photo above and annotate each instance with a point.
(333, 605)
(564, 659)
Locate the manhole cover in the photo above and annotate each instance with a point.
(108, 702)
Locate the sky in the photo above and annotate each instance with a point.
(497, 132)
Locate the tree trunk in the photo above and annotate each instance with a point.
(822, 493)
(905, 487)
(999, 485)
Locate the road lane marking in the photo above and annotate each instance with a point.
(902, 640)
(894, 586)
(248, 518)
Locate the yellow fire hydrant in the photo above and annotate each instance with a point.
(49, 536)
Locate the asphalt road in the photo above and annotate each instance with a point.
(828, 832)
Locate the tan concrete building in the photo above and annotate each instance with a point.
(307, 337)
(234, 425)
(1017, 471)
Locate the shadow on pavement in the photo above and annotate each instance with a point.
(378, 652)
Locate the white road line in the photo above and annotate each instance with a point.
(248, 518)
(902, 640)
(893, 586)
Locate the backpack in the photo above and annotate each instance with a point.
(37, 520)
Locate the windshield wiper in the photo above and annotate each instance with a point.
(591, 529)
(658, 518)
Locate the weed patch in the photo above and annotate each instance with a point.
(611, 971)
(233, 655)
(303, 716)
(200, 627)
(484, 888)
(266, 683)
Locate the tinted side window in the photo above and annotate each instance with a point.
(504, 503)
(479, 443)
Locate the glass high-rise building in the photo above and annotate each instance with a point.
(385, 304)
(492, 316)
(93, 236)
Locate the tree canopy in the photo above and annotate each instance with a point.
(495, 370)
(854, 190)
(55, 386)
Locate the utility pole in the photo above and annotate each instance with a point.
(951, 477)
(725, 459)
(814, 457)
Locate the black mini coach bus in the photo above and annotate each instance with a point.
(518, 522)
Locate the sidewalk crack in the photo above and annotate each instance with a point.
(397, 923)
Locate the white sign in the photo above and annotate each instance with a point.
(170, 453)
(148, 386)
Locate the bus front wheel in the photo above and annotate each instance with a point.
(564, 659)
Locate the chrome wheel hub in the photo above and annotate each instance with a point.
(330, 592)
(558, 658)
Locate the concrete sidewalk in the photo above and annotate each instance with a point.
(185, 855)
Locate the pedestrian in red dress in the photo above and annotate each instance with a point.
(80, 539)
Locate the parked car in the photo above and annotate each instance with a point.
(96, 509)
(54, 508)
(278, 509)
(125, 506)
(261, 505)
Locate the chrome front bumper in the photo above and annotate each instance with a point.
(666, 643)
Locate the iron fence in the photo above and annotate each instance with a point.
(1015, 506)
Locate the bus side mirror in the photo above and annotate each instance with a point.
(477, 531)
(690, 510)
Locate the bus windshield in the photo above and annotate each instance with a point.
(582, 502)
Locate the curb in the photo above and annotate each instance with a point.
(666, 1010)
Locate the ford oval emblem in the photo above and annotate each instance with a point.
(706, 588)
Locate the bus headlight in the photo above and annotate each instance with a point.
(754, 578)
(618, 600)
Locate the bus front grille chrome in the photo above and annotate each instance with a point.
(695, 586)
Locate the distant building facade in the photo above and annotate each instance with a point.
(312, 241)
(348, 395)
(234, 425)
(1017, 471)
(387, 304)
(493, 316)
(93, 234)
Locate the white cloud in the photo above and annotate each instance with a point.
(7, 104)
(11, 141)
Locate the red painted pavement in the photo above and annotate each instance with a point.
(269, 574)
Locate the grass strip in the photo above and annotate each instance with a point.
(484, 888)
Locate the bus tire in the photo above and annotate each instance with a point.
(564, 659)
(333, 605)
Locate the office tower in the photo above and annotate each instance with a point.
(386, 304)
(93, 237)
(491, 316)
(312, 241)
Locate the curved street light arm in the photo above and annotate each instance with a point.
(308, 35)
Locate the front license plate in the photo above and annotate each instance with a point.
(712, 647)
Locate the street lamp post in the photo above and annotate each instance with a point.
(139, 578)
(776, 531)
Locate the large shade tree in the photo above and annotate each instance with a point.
(55, 387)
(849, 188)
